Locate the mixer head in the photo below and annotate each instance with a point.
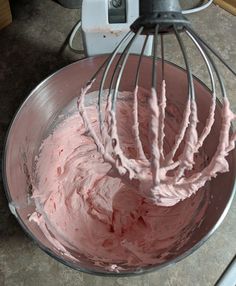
(157, 18)
(164, 14)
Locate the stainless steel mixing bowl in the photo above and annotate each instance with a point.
(39, 113)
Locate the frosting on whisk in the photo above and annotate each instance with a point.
(160, 175)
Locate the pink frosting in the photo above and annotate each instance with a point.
(104, 193)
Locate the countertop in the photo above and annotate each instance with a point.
(32, 48)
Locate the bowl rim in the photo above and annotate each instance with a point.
(73, 265)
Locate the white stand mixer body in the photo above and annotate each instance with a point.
(105, 23)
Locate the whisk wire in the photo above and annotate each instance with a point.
(187, 157)
(188, 69)
(109, 62)
(187, 111)
(154, 116)
(210, 118)
(162, 57)
(118, 65)
(218, 75)
(140, 60)
(125, 58)
(206, 60)
(212, 50)
(139, 146)
(154, 61)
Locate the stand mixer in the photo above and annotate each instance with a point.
(153, 84)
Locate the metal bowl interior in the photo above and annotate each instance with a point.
(53, 97)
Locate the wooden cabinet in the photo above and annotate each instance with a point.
(229, 5)
(5, 13)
